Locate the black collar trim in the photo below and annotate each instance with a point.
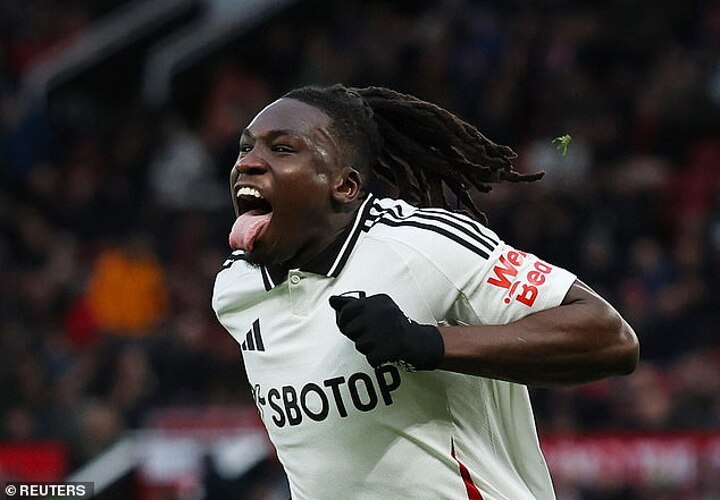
(330, 261)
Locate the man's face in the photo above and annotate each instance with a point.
(290, 159)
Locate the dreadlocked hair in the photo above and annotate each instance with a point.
(417, 146)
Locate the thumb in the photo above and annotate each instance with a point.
(337, 302)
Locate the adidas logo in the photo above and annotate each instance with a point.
(253, 340)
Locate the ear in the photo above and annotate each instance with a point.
(347, 186)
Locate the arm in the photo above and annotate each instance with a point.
(580, 340)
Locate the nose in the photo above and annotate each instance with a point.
(251, 163)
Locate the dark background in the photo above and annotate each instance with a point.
(114, 209)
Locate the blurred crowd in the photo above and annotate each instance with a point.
(114, 215)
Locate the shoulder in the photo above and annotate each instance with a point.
(237, 264)
(436, 233)
(238, 283)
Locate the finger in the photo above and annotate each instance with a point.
(381, 300)
(348, 313)
(337, 302)
(383, 305)
(354, 328)
(365, 345)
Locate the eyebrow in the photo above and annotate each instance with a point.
(271, 134)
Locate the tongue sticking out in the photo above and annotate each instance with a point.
(246, 229)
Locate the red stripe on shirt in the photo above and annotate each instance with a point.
(473, 492)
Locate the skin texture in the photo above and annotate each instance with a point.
(289, 153)
(583, 339)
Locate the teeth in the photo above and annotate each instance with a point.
(249, 191)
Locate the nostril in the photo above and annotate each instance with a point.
(250, 167)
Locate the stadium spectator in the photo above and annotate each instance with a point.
(642, 97)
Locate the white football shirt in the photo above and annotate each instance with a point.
(345, 430)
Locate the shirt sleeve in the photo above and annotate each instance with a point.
(510, 285)
(465, 273)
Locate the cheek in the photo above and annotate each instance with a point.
(314, 195)
(305, 184)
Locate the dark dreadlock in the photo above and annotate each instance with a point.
(415, 145)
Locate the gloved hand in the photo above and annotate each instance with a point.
(383, 333)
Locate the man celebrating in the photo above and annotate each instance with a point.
(388, 342)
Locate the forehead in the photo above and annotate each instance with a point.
(290, 115)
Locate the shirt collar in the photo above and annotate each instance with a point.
(331, 261)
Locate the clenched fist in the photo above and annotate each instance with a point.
(382, 332)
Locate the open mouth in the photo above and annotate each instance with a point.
(249, 199)
(254, 214)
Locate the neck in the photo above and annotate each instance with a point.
(332, 229)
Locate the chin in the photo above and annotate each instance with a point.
(260, 255)
(256, 258)
(250, 259)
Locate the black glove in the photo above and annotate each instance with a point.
(383, 333)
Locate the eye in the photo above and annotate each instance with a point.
(283, 148)
(245, 148)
